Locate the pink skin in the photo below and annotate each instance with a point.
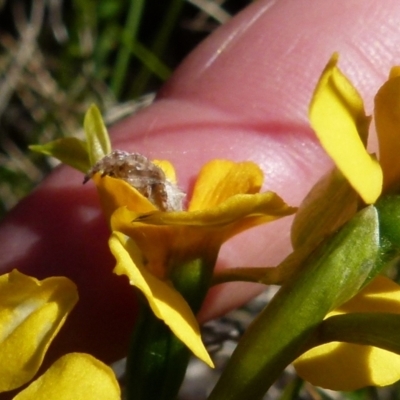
(242, 95)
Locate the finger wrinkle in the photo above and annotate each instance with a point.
(292, 161)
(236, 35)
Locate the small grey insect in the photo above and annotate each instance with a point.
(143, 175)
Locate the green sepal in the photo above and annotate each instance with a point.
(371, 329)
(71, 151)
(96, 133)
(388, 208)
(77, 153)
(330, 203)
(332, 275)
(389, 218)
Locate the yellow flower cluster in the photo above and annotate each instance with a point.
(149, 244)
(31, 314)
(337, 115)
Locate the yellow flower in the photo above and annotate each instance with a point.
(31, 314)
(338, 118)
(345, 366)
(150, 244)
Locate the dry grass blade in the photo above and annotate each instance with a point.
(23, 53)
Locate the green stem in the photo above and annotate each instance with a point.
(128, 35)
(292, 390)
(159, 44)
(331, 276)
(157, 360)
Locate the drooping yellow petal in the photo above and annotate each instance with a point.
(74, 376)
(338, 118)
(221, 179)
(387, 122)
(344, 366)
(232, 210)
(31, 314)
(115, 193)
(155, 243)
(166, 303)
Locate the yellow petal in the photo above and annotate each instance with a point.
(338, 118)
(31, 314)
(270, 208)
(266, 205)
(344, 366)
(387, 122)
(166, 303)
(394, 72)
(74, 376)
(218, 224)
(160, 235)
(220, 179)
(115, 193)
(156, 243)
(168, 169)
(381, 295)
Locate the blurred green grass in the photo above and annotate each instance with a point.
(57, 57)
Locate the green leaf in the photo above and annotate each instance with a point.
(70, 151)
(332, 275)
(97, 137)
